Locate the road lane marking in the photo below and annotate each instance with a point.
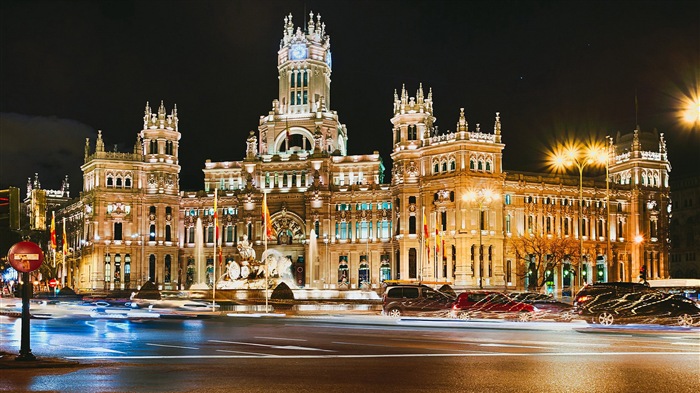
(362, 344)
(509, 346)
(280, 338)
(685, 343)
(272, 346)
(170, 346)
(514, 342)
(395, 355)
(249, 353)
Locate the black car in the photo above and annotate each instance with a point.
(646, 307)
(411, 299)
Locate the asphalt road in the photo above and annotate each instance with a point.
(349, 354)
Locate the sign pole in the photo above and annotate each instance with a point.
(25, 352)
(25, 257)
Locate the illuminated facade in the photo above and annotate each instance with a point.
(334, 215)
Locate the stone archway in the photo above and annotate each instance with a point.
(288, 226)
(308, 140)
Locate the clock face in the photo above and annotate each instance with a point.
(328, 59)
(297, 52)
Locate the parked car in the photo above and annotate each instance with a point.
(646, 307)
(414, 299)
(480, 304)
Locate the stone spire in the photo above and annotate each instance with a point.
(87, 149)
(65, 187)
(137, 145)
(99, 145)
(420, 97)
(462, 125)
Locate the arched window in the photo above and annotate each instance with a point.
(152, 268)
(108, 268)
(385, 268)
(119, 182)
(154, 146)
(412, 225)
(488, 166)
(167, 270)
(436, 168)
(453, 165)
(480, 165)
(363, 272)
(444, 166)
(343, 272)
(110, 181)
(471, 164)
(127, 269)
(412, 266)
(127, 182)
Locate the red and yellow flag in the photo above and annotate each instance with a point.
(267, 221)
(53, 230)
(437, 241)
(425, 226)
(64, 241)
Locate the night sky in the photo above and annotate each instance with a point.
(553, 70)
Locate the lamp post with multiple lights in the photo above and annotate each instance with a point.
(579, 157)
(481, 198)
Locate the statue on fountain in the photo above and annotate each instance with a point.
(249, 273)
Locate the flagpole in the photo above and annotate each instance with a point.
(65, 254)
(216, 247)
(265, 214)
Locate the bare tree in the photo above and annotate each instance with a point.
(537, 253)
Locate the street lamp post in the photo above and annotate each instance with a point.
(482, 198)
(580, 158)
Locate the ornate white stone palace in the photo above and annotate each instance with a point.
(337, 220)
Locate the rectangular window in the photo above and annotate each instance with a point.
(508, 223)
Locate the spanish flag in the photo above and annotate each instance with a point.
(65, 242)
(425, 226)
(437, 241)
(53, 231)
(216, 225)
(267, 221)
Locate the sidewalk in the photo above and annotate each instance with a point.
(7, 361)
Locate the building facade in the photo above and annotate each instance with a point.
(337, 218)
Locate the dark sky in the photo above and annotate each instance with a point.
(553, 69)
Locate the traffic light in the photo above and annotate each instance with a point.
(10, 198)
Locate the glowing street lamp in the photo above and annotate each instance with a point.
(578, 156)
(482, 198)
(691, 112)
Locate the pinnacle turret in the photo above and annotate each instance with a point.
(161, 119)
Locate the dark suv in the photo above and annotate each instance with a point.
(414, 299)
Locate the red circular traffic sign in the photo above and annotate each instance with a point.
(53, 282)
(25, 256)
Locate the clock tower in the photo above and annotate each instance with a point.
(300, 120)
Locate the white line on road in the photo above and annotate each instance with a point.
(281, 338)
(509, 346)
(272, 346)
(362, 344)
(684, 343)
(395, 355)
(249, 353)
(170, 346)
